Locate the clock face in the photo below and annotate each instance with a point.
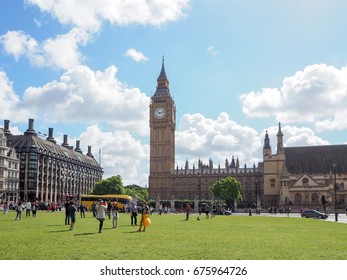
(159, 113)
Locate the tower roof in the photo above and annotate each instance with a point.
(162, 83)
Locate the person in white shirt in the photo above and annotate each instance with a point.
(100, 213)
(28, 209)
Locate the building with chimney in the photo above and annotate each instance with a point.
(292, 176)
(47, 171)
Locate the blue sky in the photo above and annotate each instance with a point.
(236, 69)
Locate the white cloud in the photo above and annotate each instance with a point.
(136, 55)
(60, 52)
(10, 103)
(89, 15)
(317, 95)
(82, 95)
(213, 51)
(201, 137)
(117, 154)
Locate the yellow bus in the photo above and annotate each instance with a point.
(122, 200)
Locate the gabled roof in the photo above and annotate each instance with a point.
(316, 159)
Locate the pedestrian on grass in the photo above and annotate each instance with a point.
(187, 211)
(133, 214)
(67, 216)
(100, 214)
(19, 210)
(115, 215)
(82, 210)
(109, 208)
(28, 208)
(72, 213)
(145, 210)
(34, 209)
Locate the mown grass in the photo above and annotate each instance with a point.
(170, 237)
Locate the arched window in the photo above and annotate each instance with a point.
(273, 183)
(298, 198)
(314, 198)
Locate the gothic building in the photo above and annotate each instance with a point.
(299, 176)
(47, 171)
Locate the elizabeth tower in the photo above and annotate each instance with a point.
(162, 122)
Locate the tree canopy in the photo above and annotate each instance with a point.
(112, 185)
(137, 192)
(228, 190)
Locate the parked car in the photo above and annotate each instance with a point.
(313, 214)
(42, 206)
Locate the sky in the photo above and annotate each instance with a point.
(237, 68)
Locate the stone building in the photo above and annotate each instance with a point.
(47, 171)
(296, 176)
(9, 170)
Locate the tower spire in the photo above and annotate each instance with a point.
(280, 149)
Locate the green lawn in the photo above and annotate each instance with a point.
(171, 237)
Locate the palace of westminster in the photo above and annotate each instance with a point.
(34, 168)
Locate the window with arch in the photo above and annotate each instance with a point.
(273, 183)
(298, 198)
(314, 198)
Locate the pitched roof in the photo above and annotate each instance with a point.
(316, 159)
(27, 143)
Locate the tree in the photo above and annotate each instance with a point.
(135, 191)
(228, 190)
(112, 185)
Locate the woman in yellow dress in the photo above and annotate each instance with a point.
(145, 221)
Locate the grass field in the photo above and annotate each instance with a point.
(170, 237)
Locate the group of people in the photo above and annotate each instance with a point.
(100, 210)
(27, 206)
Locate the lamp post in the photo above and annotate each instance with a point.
(256, 197)
(335, 190)
(199, 190)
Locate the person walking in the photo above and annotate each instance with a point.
(34, 209)
(100, 214)
(133, 214)
(72, 213)
(145, 210)
(109, 208)
(67, 216)
(115, 215)
(94, 209)
(187, 211)
(82, 210)
(28, 208)
(19, 210)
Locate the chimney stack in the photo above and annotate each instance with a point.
(50, 136)
(78, 149)
(7, 127)
(65, 143)
(30, 130)
(90, 152)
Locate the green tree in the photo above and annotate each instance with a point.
(112, 185)
(228, 190)
(135, 191)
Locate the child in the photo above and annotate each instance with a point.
(115, 215)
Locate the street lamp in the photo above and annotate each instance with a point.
(199, 189)
(256, 197)
(335, 190)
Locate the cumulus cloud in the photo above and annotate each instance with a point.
(201, 137)
(10, 102)
(117, 153)
(136, 55)
(316, 95)
(82, 95)
(89, 15)
(61, 52)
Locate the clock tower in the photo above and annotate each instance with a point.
(162, 122)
